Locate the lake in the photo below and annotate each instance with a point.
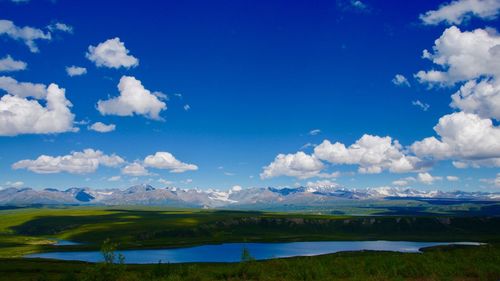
(231, 252)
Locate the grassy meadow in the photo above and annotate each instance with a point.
(30, 230)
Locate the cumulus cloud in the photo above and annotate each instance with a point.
(481, 98)
(75, 70)
(456, 12)
(400, 80)
(427, 178)
(165, 160)
(111, 53)
(461, 136)
(133, 99)
(452, 178)
(20, 115)
(135, 169)
(22, 89)
(59, 26)
(26, 34)
(102, 128)
(8, 64)
(299, 165)
(463, 56)
(86, 161)
(421, 105)
(373, 154)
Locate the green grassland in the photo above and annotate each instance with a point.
(30, 230)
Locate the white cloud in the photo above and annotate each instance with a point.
(427, 178)
(133, 99)
(481, 98)
(456, 12)
(463, 56)
(111, 53)
(404, 182)
(314, 132)
(135, 169)
(452, 178)
(114, 178)
(495, 181)
(165, 160)
(8, 64)
(102, 128)
(19, 115)
(423, 106)
(372, 154)
(83, 162)
(400, 80)
(22, 89)
(165, 182)
(358, 4)
(14, 183)
(187, 107)
(463, 136)
(298, 165)
(75, 70)
(26, 34)
(236, 188)
(59, 26)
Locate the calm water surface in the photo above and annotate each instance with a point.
(231, 252)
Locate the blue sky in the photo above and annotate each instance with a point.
(244, 81)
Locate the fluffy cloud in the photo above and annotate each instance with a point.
(462, 136)
(59, 26)
(298, 165)
(481, 98)
(83, 162)
(20, 115)
(400, 80)
(135, 169)
(26, 34)
(463, 56)
(111, 53)
(459, 11)
(133, 99)
(427, 178)
(423, 106)
(452, 178)
(75, 70)
(22, 89)
(165, 160)
(372, 154)
(102, 128)
(9, 64)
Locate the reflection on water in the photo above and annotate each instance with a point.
(231, 252)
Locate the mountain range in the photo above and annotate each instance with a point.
(250, 198)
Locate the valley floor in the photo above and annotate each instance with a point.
(31, 230)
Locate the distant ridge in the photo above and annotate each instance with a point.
(253, 198)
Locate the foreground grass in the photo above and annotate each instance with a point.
(444, 263)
